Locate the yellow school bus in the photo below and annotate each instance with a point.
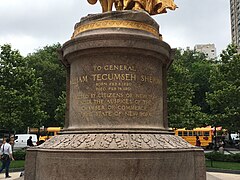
(48, 133)
(205, 135)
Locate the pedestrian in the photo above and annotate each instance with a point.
(221, 149)
(198, 142)
(29, 141)
(221, 143)
(6, 152)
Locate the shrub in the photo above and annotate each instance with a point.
(19, 155)
(216, 156)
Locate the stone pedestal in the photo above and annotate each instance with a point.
(116, 120)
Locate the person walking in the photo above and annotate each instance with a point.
(198, 142)
(6, 150)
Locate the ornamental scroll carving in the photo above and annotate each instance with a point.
(119, 141)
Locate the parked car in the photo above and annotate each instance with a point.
(20, 141)
(235, 137)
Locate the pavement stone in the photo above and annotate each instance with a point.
(14, 175)
(222, 176)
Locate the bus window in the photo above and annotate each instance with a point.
(206, 133)
(190, 133)
(185, 133)
(199, 133)
(194, 133)
(180, 133)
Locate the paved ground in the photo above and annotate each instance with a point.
(210, 176)
(222, 176)
(14, 175)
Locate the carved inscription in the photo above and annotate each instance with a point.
(113, 95)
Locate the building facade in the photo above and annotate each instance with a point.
(208, 49)
(235, 21)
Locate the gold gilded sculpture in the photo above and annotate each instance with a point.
(106, 4)
(151, 6)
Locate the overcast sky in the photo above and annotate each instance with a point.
(31, 24)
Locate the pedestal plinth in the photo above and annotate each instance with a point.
(116, 120)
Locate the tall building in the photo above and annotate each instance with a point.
(208, 49)
(235, 21)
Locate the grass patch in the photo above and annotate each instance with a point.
(214, 164)
(223, 165)
(17, 164)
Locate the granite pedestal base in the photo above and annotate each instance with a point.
(116, 125)
(164, 160)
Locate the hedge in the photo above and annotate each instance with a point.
(216, 156)
(19, 155)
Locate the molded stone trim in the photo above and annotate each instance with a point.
(119, 141)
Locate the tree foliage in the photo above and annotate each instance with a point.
(225, 90)
(46, 63)
(181, 92)
(61, 109)
(20, 90)
(199, 67)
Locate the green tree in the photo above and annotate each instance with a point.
(19, 92)
(47, 65)
(61, 109)
(200, 75)
(182, 112)
(225, 90)
(199, 68)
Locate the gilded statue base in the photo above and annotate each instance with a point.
(117, 20)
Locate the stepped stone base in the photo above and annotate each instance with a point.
(80, 157)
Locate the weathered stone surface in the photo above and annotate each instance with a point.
(116, 165)
(117, 141)
(117, 82)
(116, 121)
